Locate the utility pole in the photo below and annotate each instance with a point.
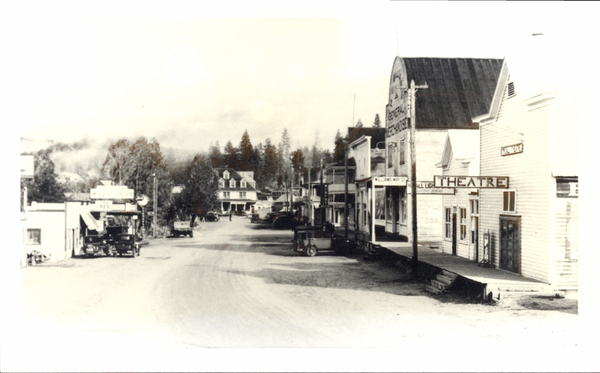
(413, 171)
(345, 189)
(322, 205)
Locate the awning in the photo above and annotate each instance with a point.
(90, 221)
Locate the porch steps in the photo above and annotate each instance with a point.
(441, 282)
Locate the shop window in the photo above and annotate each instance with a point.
(404, 214)
(34, 236)
(463, 224)
(509, 201)
(448, 220)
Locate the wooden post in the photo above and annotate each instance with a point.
(345, 190)
(413, 176)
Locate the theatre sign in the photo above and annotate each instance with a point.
(490, 182)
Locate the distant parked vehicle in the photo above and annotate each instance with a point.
(95, 245)
(212, 216)
(285, 222)
(182, 228)
(126, 244)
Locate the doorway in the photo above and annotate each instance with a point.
(454, 233)
(510, 243)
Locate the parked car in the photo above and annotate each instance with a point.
(212, 216)
(95, 245)
(126, 244)
(312, 240)
(285, 222)
(182, 228)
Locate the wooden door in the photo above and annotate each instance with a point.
(454, 234)
(510, 243)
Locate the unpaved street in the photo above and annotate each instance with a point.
(239, 285)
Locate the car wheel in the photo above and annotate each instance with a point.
(311, 250)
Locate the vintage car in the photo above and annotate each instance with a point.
(126, 244)
(312, 240)
(95, 245)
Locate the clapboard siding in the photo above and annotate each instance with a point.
(566, 234)
(529, 174)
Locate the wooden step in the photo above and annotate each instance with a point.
(445, 279)
(432, 289)
(438, 284)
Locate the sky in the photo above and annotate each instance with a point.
(192, 76)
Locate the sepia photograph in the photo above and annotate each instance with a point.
(315, 186)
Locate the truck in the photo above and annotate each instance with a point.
(182, 228)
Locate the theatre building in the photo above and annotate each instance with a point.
(461, 200)
(529, 136)
(427, 98)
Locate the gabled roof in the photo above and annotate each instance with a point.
(233, 174)
(458, 89)
(461, 145)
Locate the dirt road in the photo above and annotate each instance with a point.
(239, 285)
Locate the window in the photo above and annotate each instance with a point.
(474, 204)
(242, 194)
(221, 183)
(509, 201)
(402, 152)
(232, 183)
(242, 183)
(448, 220)
(390, 156)
(463, 224)
(34, 236)
(226, 175)
(404, 209)
(226, 194)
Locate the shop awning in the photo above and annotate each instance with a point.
(90, 221)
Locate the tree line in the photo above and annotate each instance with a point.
(139, 164)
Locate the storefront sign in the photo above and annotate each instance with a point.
(111, 192)
(498, 182)
(398, 107)
(511, 149)
(427, 187)
(391, 181)
(103, 205)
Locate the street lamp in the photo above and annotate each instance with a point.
(155, 206)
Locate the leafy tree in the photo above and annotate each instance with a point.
(45, 186)
(297, 162)
(114, 164)
(231, 156)
(200, 191)
(377, 122)
(245, 152)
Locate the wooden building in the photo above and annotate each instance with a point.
(529, 136)
(237, 190)
(428, 97)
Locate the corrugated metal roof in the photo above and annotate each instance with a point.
(459, 89)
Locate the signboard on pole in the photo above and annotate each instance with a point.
(111, 192)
